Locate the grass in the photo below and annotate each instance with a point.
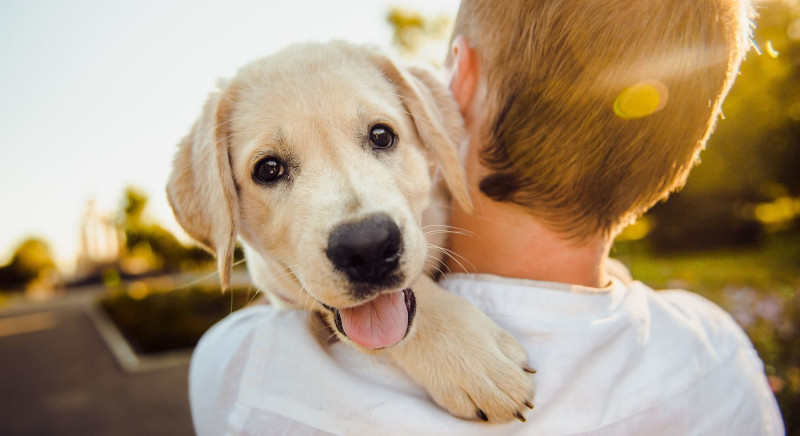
(772, 269)
(759, 286)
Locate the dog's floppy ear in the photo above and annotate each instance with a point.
(201, 189)
(437, 120)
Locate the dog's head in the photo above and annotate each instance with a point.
(321, 159)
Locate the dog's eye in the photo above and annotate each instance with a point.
(382, 136)
(268, 170)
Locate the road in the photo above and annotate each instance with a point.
(58, 377)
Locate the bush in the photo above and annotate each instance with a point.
(30, 261)
(154, 321)
(694, 222)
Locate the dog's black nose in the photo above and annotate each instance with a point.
(366, 251)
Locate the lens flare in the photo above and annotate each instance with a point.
(642, 99)
(771, 50)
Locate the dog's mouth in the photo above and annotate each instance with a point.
(379, 323)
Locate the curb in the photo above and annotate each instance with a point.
(124, 354)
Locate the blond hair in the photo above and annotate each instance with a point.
(597, 109)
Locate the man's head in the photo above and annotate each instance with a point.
(594, 110)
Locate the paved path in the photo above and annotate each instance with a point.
(58, 377)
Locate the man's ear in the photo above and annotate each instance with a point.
(201, 190)
(464, 73)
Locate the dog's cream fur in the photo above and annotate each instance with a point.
(312, 105)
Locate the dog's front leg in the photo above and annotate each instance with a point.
(468, 364)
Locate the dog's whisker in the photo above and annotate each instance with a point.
(288, 270)
(224, 138)
(255, 294)
(416, 117)
(446, 226)
(309, 297)
(333, 335)
(479, 208)
(227, 121)
(319, 330)
(196, 281)
(449, 232)
(451, 254)
(284, 272)
(445, 231)
(205, 277)
(280, 274)
(439, 270)
(323, 327)
(439, 263)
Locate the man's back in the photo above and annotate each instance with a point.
(618, 360)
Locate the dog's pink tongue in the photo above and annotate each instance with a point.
(379, 323)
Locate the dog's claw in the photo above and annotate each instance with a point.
(528, 369)
(528, 404)
(482, 383)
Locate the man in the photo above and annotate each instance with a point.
(581, 115)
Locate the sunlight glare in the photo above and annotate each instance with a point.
(793, 31)
(642, 99)
(771, 50)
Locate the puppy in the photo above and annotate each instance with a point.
(323, 159)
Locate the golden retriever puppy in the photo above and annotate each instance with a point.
(324, 159)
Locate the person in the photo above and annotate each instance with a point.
(581, 115)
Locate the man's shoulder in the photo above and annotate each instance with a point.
(706, 320)
(221, 358)
(730, 375)
(246, 320)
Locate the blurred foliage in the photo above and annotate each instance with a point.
(30, 262)
(133, 207)
(417, 36)
(755, 147)
(152, 313)
(749, 178)
(155, 319)
(772, 268)
(148, 246)
(703, 221)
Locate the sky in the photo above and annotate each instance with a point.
(95, 95)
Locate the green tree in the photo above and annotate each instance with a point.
(413, 33)
(753, 157)
(30, 260)
(133, 208)
(150, 242)
(755, 145)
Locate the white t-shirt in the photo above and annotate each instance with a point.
(622, 360)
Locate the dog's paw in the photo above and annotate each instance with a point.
(490, 380)
(469, 365)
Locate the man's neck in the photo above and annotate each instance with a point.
(504, 240)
